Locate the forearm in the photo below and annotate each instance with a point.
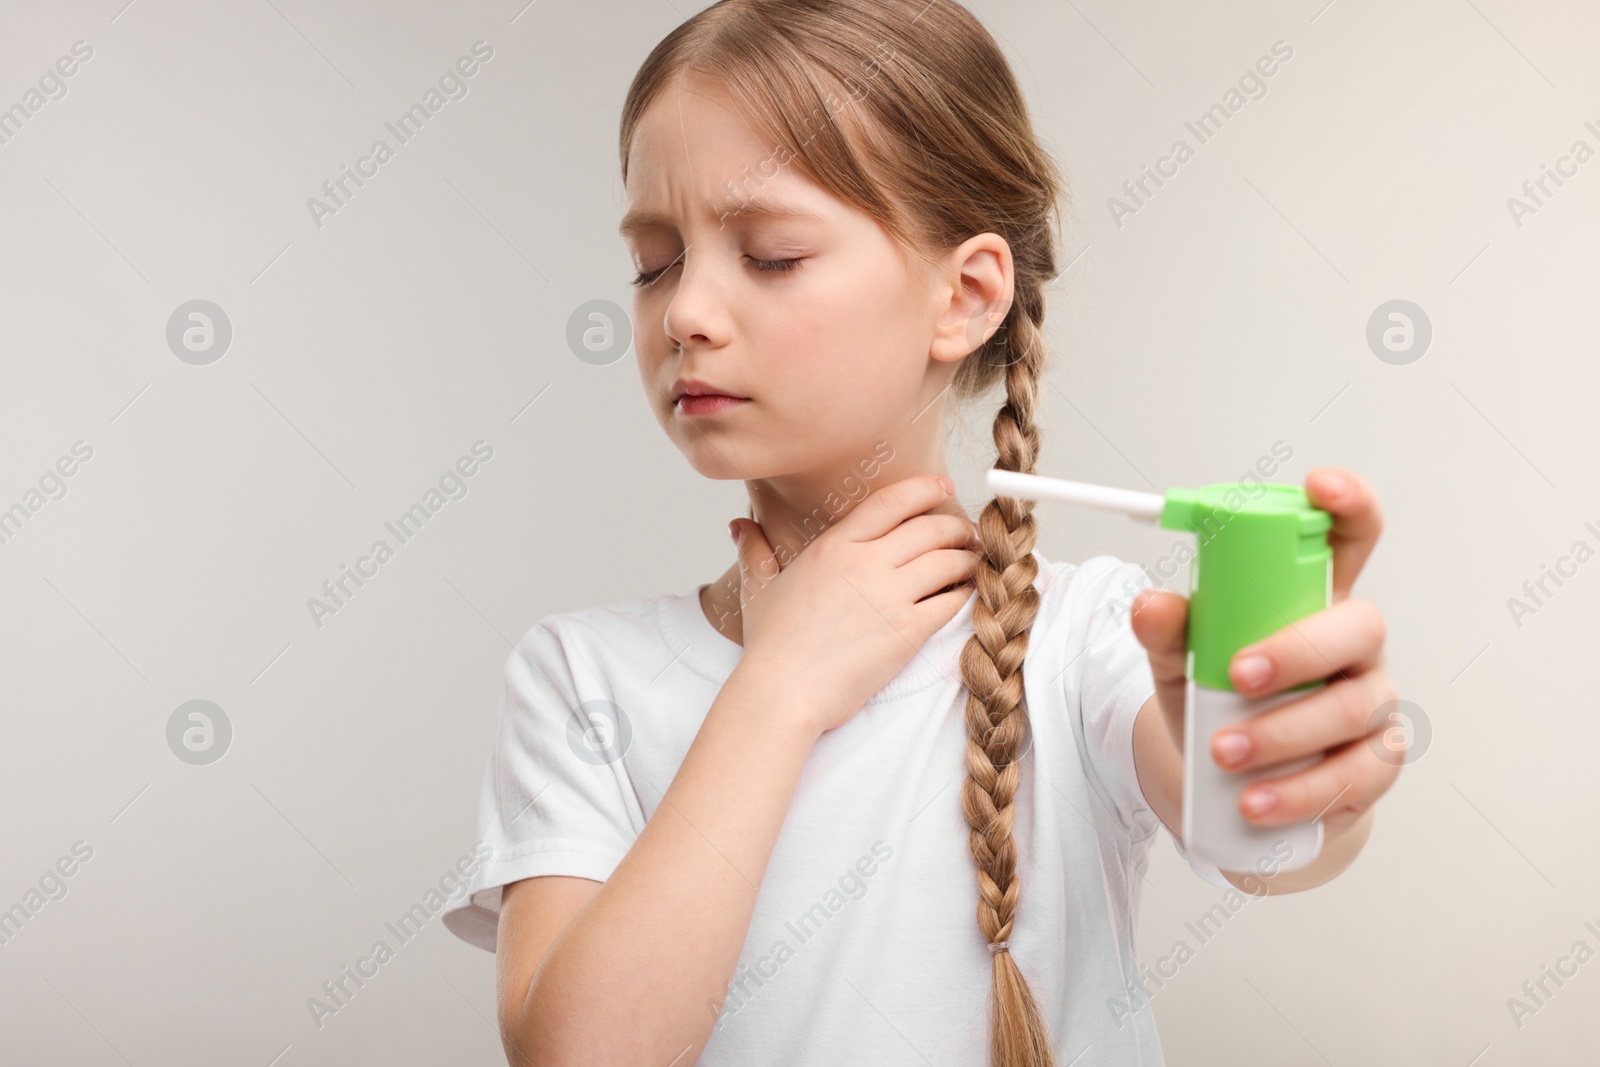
(640, 974)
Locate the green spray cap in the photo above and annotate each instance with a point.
(1262, 556)
(1263, 562)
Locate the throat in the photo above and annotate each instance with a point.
(719, 601)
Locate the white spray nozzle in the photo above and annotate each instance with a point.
(1145, 507)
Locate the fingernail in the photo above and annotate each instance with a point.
(1334, 486)
(733, 530)
(1253, 671)
(1232, 747)
(949, 486)
(1260, 802)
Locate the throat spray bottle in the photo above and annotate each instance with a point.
(1262, 563)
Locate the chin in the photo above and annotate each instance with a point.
(708, 462)
(728, 459)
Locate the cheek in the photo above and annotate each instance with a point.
(855, 326)
(651, 352)
(831, 366)
(804, 349)
(650, 343)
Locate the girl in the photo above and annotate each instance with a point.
(753, 823)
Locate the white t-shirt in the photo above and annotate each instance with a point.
(864, 946)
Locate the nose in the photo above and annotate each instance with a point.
(695, 313)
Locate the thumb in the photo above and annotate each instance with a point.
(1160, 621)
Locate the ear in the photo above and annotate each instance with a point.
(976, 289)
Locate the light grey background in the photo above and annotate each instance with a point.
(430, 312)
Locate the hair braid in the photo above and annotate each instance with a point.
(991, 666)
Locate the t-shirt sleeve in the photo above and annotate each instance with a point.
(556, 797)
(1110, 672)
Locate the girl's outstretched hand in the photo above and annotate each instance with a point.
(845, 615)
(1344, 644)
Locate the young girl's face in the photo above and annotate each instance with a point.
(765, 286)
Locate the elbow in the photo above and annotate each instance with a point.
(516, 1038)
(529, 1033)
(546, 1033)
(541, 1031)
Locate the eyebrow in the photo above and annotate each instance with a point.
(638, 219)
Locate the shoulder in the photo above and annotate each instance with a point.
(593, 637)
(622, 617)
(1101, 587)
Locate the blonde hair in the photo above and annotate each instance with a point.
(930, 112)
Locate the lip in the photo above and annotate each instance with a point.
(695, 387)
(710, 404)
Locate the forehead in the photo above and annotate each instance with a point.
(694, 151)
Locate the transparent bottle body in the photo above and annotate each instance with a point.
(1214, 828)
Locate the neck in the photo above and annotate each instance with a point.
(794, 510)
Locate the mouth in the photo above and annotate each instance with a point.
(707, 404)
(690, 396)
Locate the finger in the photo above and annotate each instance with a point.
(1347, 637)
(1160, 621)
(934, 612)
(932, 571)
(890, 506)
(1357, 521)
(1350, 779)
(1324, 719)
(926, 533)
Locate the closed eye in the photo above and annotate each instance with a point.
(764, 265)
(775, 264)
(646, 277)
